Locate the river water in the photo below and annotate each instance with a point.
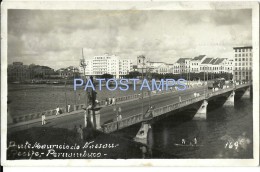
(227, 133)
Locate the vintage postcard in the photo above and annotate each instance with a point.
(129, 83)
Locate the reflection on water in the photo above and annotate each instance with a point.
(233, 123)
(227, 133)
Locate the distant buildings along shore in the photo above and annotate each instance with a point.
(240, 66)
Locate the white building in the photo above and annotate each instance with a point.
(196, 62)
(182, 66)
(216, 65)
(154, 67)
(229, 66)
(176, 68)
(107, 64)
(243, 63)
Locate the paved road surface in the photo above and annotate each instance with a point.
(107, 113)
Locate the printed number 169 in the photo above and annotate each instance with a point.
(231, 145)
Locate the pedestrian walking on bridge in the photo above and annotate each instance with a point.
(57, 110)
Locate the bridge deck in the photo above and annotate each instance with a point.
(131, 111)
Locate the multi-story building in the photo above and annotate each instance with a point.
(176, 68)
(183, 65)
(229, 66)
(213, 65)
(106, 64)
(243, 63)
(196, 62)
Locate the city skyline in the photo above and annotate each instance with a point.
(56, 38)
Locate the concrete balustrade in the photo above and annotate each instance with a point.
(37, 115)
(110, 127)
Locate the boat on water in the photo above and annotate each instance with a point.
(187, 145)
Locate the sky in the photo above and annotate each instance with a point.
(55, 38)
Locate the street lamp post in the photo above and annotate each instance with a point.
(142, 82)
(75, 95)
(115, 109)
(66, 102)
(83, 64)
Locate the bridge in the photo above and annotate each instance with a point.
(164, 103)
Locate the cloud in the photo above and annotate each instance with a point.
(56, 37)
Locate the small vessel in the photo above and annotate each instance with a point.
(187, 145)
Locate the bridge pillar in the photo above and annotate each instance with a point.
(246, 94)
(230, 100)
(202, 111)
(142, 134)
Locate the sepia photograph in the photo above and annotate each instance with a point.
(143, 82)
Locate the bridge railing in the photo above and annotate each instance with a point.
(32, 116)
(125, 122)
(113, 126)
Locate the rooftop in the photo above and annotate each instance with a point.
(207, 61)
(213, 61)
(243, 47)
(219, 60)
(182, 60)
(200, 57)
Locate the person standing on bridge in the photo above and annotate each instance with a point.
(183, 141)
(180, 99)
(195, 141)
(68, 108)
(107, 102)
(114, 101)
(43, 119)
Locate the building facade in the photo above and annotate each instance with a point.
(182, 66)
(196, 62)
(154, 67)
(216, 65)
(106, 64)
(243, 63)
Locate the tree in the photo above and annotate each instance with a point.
(133, 74)
(107, 76)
